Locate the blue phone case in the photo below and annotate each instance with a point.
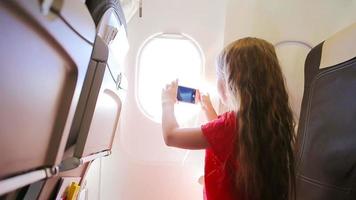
(186, 94)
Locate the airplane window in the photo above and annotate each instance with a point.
(162, 59)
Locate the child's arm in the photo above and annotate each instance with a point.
(187, 138)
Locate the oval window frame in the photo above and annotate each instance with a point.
(138, 62)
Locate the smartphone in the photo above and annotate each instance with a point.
(186, 94)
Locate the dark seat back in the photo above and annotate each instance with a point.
(326, 142)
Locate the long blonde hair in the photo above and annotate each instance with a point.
(263, 145)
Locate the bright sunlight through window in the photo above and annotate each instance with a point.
(162, 59)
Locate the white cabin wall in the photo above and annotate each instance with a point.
(278, 20)
(142, 166)
(275, 20)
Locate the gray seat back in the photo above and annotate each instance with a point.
(43, 62)
(326, 142)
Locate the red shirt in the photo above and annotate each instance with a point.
(220, 134)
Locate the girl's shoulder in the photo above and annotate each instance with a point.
(229, 118)
(224, 122)
(228, 114)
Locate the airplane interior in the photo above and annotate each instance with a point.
(81, 83)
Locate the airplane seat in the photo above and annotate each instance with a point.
(45, 51)
(98, 9)
(97, 116)
(326, 140)
(95, 122)
(73, 164)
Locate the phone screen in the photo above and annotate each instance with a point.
(186, 94)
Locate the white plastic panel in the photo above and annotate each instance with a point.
(109, 25)
(292, 57)
(105, 119)
(129, 7)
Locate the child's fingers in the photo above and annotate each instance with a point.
(206, 97)
(174, 82)
(197, 96)
(205, 100)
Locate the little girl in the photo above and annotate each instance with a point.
(249, 151)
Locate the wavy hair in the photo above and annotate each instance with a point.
(263, 146)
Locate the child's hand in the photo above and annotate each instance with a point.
(169, 94)
(207, 106)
